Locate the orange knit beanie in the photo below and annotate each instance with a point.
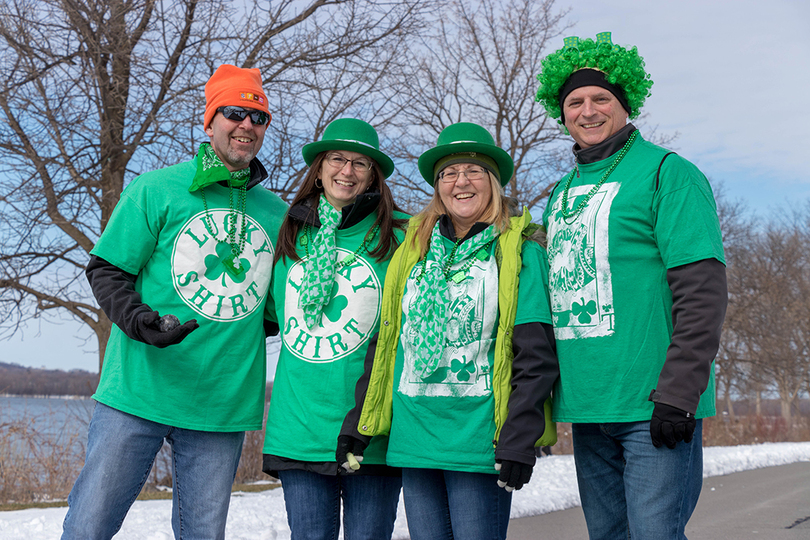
(234, 86)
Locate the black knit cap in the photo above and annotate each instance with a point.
(590, 77)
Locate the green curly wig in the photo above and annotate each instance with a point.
(622, 67)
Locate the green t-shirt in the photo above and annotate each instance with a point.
(318, 368)
(445, 419)
(214, 379)
(609, 294)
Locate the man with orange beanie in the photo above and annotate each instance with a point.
(183, 271)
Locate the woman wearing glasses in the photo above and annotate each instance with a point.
(333, 250)
(465, 357)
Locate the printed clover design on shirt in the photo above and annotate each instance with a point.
(571, 260)
(584, 310)
(215, 265)
(437, 376)
(334, 308)
(462, 369)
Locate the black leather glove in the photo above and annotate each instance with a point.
(161, 332)
(670, 424)
(513, 474)
(346, 444)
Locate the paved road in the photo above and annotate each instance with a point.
(763, 504)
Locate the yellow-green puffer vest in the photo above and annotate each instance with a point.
(375, 418)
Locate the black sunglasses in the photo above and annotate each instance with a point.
(237, 114)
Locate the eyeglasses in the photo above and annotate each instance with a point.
(358, 165)
(472, 174)
(237, 114)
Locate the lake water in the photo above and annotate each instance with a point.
(28, 424)
(42, 444)
(52, 412)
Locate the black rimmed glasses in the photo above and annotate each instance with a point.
(237, 114)
(472, 174)
(359, 165)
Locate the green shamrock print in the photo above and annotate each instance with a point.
(215, 266)
(584, 311)
(462, 369)
(334, 308)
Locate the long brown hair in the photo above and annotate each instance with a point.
(387, 242)
(497, 213)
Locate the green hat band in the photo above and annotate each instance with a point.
(354, 141)
(476, 158)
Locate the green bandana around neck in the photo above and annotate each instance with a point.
(429, 314)
(319, 268)
(211, 170)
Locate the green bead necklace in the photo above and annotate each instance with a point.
(237, 242)
(348, 259)
(584, 202)
(459, 275)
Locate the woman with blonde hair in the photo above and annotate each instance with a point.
(464, 362)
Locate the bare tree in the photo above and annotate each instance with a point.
(95, 92)
(732, 361)
(479, 64)
(769, 280)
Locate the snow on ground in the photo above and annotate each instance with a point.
(261, 516)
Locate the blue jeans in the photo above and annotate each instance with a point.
(120, 451)
(313, 505)
(451, 505)
(631, 489)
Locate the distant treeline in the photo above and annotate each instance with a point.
(26, 381)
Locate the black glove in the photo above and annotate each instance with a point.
(161, 332)
(270, 328)
(346, 444)
(670, 424)
(513, 474)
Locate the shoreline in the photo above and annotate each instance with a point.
(44, 396)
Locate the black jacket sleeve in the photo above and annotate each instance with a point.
(534, 371)
(115, 293)
(699, 300)
(352, 418)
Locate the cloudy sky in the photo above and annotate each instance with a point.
(731, 78)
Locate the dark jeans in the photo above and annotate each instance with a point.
(451, 505)
(313, 505)
(631, 489)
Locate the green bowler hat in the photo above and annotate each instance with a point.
(465, 138)
(352, 135)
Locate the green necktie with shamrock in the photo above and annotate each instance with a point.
(319, 268)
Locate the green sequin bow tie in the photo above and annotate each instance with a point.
(429, 314)
(211, 170)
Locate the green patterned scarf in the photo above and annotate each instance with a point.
(319, 268)
(430, 312)
(211, 170)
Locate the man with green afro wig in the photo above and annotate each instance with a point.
(638, 294)
(619, 69)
